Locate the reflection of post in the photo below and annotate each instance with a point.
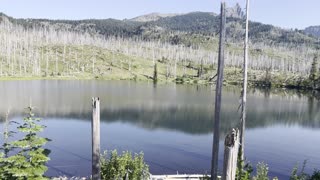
(215, 147)
(231, 148)
(95, 125)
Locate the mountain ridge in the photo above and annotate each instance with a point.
(157, 26)
(313, 30)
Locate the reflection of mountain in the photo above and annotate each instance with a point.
(183, 108)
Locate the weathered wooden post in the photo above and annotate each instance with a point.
(215, 146)
(95, 125)
(231, 148)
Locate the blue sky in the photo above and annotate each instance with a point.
(286, 13)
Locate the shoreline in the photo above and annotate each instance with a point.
(228, 81)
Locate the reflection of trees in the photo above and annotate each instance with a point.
(183, 108)
(194, 120)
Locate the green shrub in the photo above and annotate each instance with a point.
(244, 170)
(123, 166)
(299, 176)
(29, 157)
(315, 175)
(262, 172)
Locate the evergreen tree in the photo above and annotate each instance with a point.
(30, 160)
(314, 69)
(314, 72)
(155, 73)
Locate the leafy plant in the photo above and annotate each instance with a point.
(315, 175)
(299, 176)
(244, 169)
(123, 166)
(262, 172)
(295, 175)
(6, 134)
(245, 172)
(30, 157)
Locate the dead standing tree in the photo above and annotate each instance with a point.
(244, 90)
(215, 147)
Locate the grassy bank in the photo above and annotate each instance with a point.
(89, 62)
(232, 77)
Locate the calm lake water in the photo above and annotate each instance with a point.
(171, 124)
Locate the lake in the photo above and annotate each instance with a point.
(171, 124)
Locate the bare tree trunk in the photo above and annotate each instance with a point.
(24, 63)
(93, 60)
(47, 62)
(112, 60)
(1, 67)
(13, 59)
(215, 147)
(153, 58)
(64, 52)
(184, 67)
(245, 79)
(175, 67)
(56, 62)
(167, 71)
(20, 59)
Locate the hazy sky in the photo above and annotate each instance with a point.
(283, 13)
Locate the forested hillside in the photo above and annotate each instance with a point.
(184, 46)
(201, 23)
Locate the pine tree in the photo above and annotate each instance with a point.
(314, 72)
(155, 73)
(314, 69)
(30, 159)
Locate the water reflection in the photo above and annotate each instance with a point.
(171, 124)
(184, 108)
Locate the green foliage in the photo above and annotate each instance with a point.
(244, 169)
(262, 172)
(6, 134)
(30, 159)
(295, 175)
(120, 166)
(315, 175)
